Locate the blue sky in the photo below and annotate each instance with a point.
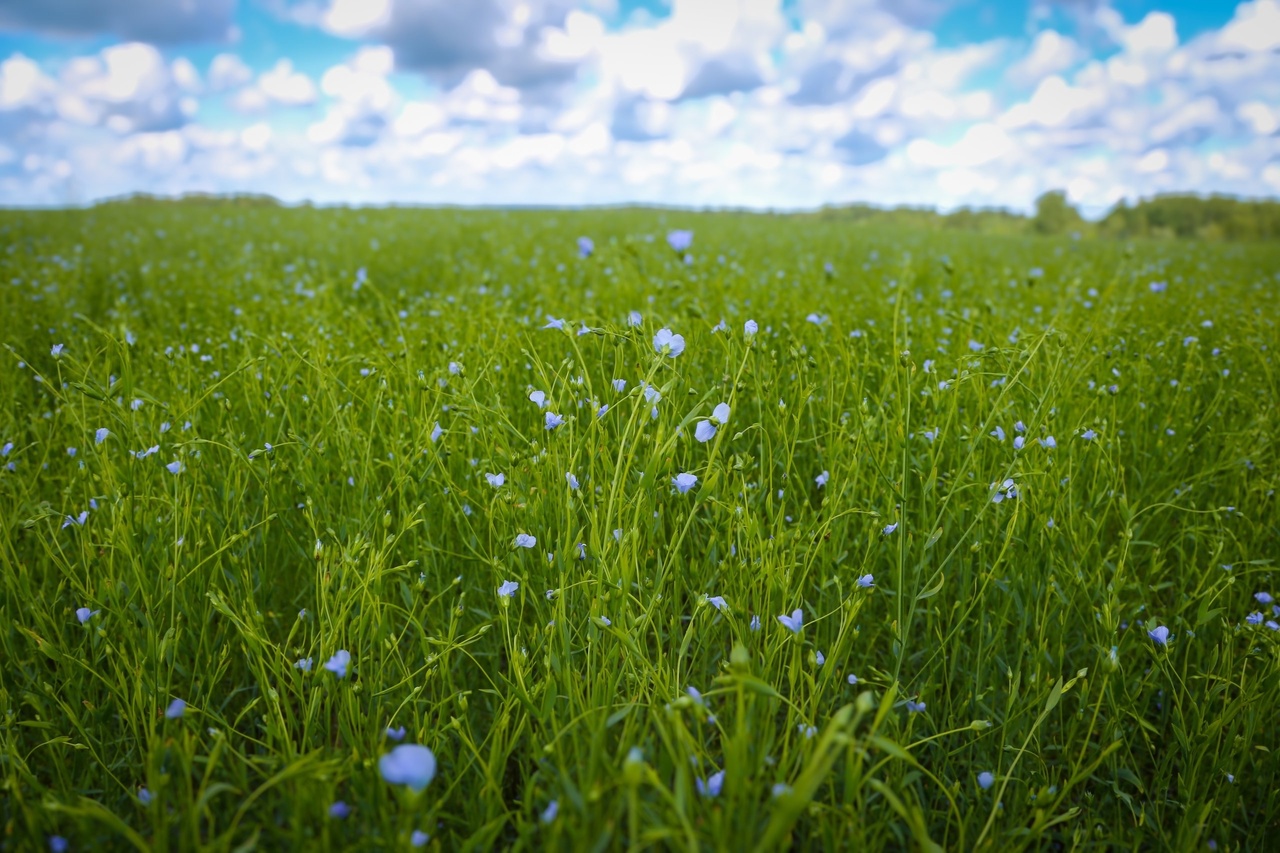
(757, 103)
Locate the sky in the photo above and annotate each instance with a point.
(778, 104)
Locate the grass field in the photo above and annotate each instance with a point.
(1012, 498)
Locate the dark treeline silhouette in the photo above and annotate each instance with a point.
(1181, 216)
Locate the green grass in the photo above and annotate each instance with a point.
(1020, 626)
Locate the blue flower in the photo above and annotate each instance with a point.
(550, 812)
(409, 764)
(101, 435)
(866, 581)
(77, 520)
(572, 480)
(915, 707)
(1263, 597)
(750, 327)
(822, 479)
(419, 838)
(84, 614)
(680, 239)
(634, 318)
(553, 420)
(1048, 442)
(1160, 634)
(174, 467)
(436, 432)
(339, 662)
(144, 796)
(998, 432)
(396, 735)
(986, 779)
(582, 550)
(755, 623)
(684, 482)
(852, 679)
(56, 350)
(794, 622)
(585, 247)
(524, 540)
(1088, 435)
(1254, 618)
(339, 810)
(508, 589)
(58, 844)
(1019, 442)
(711, 786)
(889, 528)
(496, 480)
(175, 710)
(704, 431)
(665, 342)
(718, 602)
(538, 398)
(553, 323)
(619, 385)
(303, 664)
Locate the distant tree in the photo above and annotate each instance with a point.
(1055, 215)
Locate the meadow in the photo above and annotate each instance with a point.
(782, 533)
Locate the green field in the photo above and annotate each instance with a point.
(988, 470)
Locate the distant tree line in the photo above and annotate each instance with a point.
(1164, 216)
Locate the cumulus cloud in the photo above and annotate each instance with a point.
(711, 102)
(156, 21)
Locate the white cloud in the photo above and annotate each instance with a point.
(228, 71)
(1051, 52)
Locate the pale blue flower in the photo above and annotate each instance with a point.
(651, 394)
(553, 323)
(303, 664)
(582, 550)
(711, 786)
(58, 844)
(600, 411)
(77, 520)
(1048, 442)
(780, 789)
(1159, 634)
(524, 540)
(684, 482)
(720, 414)
(436, 432)
(915, 707)
(454, 368)
(496, 480)
(634, 318)
(998, 432)
(7, 449)
(1019, 426)
(807, 731)
(1263, 597)
(538, 398)
(1088, 435)
(822, 479)
(704, 431)
(974, 346)
(665, 342)
(755, 623)
(1254, 618)
(572, 480)
(619, 385)
(986, 779)
(889, 528)
(718, 602)
(585, 247)
(819, 658)
(680, 239)
(1019, 442)
(817, 319)
(409, 764)
(553, 420)
(174, 467)
(56, 350)
(550, 812)
(1273, 625)
(101, 435)
(84, 614)
(144, 796)
(339, 662)
(175, 710)
(852, 679)
(750, 327)
(508, 589)
(339, 810)
(866, 581)
(419, 838)
(794, 622)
